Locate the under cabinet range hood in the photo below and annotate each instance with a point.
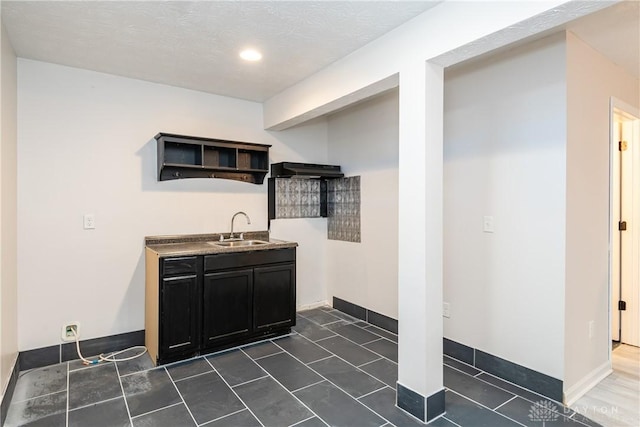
(304, 170)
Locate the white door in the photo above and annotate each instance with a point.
(625, 250)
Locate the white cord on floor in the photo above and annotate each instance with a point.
(109, 358)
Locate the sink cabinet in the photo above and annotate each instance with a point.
(200, 304)
(227, 306)
(274, 297)
(179, 304)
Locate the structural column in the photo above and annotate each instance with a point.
(420, 386)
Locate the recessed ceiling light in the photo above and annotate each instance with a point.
(251, 55)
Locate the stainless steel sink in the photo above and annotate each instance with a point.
(237, 243)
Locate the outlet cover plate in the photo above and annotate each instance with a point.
(63, 333)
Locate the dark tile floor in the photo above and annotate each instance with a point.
(332, 370)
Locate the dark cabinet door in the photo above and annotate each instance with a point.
(226, 306)
(274, 296)
(179, 314)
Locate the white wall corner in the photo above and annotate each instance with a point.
(579, 389)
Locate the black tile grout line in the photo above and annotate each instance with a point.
(250, 381)
(485, 407)
(368, 363)
(307, 386)
(503, 380)
(351, 319)
(190, 376)
(166, 371)
(321, 339)
(436, 418)
(445, 417)
(321, 324)
(375, 340)
(375, 333)
(361, 345)
(232, 390)
(324, 325)
(374, 391)
(324, 358)
(302, 421)
(545, 398)
(264, 357)
(124, 397)
(515, 396)
(39, 396)
(140, 371)
(507, 391)
(95, 403)
(223, 417)
(354, 324)
(67, 411)
(340, 388)
(287, 390)
(347, 362)
(157, 410)
(372, 326)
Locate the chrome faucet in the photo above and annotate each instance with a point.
(231, 236)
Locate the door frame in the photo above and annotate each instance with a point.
(620, 106)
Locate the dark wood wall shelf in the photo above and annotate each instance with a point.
(181, 156)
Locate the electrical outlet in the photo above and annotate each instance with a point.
(446, 310)
(67, 331)
(592, 326)
(487, 224)
(89, 221)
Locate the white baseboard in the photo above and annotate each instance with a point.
(312, 305)
(578, 390)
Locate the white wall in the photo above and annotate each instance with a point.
(591, 81)
(363, 140)
(86, 146)
(505, 133)
(8, 211)
(464, 29)
(452, 31)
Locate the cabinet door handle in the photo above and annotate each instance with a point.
(180, 345)
(168, 279)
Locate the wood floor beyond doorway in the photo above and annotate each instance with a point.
(614, 401)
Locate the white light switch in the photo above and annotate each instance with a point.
(446, 310)
(89, 221)
(487, 224)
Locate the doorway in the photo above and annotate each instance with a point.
(625, 224)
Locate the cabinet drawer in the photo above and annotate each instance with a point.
(244, 259)
(182, 265)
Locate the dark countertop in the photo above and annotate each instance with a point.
(197, 244)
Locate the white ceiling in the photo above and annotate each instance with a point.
(614, 32)
(195, 44)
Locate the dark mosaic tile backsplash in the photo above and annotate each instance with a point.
(297, 198)
(343, 209)
(300, 198)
